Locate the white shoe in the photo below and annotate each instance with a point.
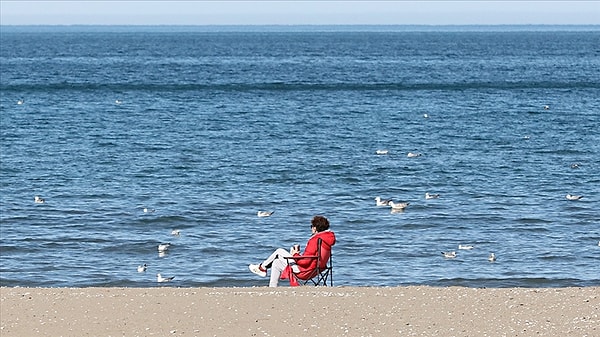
(255, 268)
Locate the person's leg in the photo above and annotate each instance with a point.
(279, 253)
(278, 264)
(261, 269)
(276, 268)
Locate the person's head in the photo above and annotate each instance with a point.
(320, 223)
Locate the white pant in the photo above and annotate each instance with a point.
(277, 263)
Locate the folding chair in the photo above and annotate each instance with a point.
(319, 275)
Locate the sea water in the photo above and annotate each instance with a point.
(204, 128)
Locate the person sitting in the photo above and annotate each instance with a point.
(277, 261)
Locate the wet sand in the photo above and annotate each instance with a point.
(302, 311)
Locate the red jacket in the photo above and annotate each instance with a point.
(308, 266)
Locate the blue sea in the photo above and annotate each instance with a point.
(204, 127)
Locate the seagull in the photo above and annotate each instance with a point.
(38, 200)
(142, 268)
(425, 116)
(492, 257)
(149, 210)
(382, 152)
(118, 101)
(413, 155)
(176, 232)
(449, 255)
(574, 197)
(465, 247)
(264, 214)
(398, 207)
(20, 101)
(161, 279)
(382, 202)
(163, 247)
(575, 165)
(546, 107)
(431, 196)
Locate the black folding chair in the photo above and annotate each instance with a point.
(319, 275)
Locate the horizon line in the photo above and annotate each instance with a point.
(310, 24)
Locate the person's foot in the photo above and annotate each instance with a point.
(258, 270)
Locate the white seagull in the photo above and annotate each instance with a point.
(38, 200)
(465, 247)
(264, 214)
(425, 116)
(161, 279)
(163, 247)
(176, 232)
(431, 196)
(573, 197)
(142, 268)
(449, 255)
(382, 152)
(492, 257)
(149, 210)
(20, 101)
(396, 208)
(382, 202)
(118, 101)
(413, 155)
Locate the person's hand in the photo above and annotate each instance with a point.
(295, 250)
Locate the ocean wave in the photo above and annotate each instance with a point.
(290, 86)
(514, 282)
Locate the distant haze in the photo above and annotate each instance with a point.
(299, 12)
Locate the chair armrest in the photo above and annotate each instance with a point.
(301, 257)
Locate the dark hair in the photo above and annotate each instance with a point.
(320, 223)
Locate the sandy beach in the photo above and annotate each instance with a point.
(308, 311)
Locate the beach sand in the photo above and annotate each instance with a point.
(301, 311)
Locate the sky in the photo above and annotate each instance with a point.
(295, 12)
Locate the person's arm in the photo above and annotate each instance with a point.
(309, 250)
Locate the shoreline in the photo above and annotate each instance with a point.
(316, 311)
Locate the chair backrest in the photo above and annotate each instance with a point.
(324, 265)
(324, 255)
